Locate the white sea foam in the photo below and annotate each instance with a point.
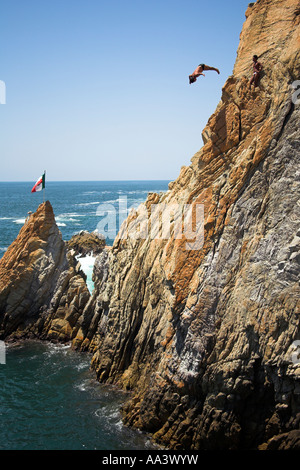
(82, 386)
(87, 265)
(110, 418)
(53, 348)
(110, 201)
(88, 203)
(19, 221)
(119, 424)
(107, 411)
(6, 218)
(81, 365)
(66, 219)
(70, 215)
(86, 193)
(99, 413)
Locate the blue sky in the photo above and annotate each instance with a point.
(98, 89)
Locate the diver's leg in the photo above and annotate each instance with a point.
(207, 67)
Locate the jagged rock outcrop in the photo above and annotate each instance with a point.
(204, 337)
(42, 288)
(86, 338)
(85, 243)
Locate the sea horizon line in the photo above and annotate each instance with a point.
(92, 181)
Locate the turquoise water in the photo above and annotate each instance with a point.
(49, 400)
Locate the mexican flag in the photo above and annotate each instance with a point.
(39, 185)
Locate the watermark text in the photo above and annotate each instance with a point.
(157, 222)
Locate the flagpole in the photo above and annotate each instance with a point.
(44, 187)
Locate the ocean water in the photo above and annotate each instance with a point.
(49, 398)
(77, 206)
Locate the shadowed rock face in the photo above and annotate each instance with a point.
(42, 290)
(85, 243)
(204, 338)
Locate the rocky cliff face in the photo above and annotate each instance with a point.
(42, 289)
(85, 243)
(204, 337)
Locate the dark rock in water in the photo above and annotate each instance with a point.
(85, 243)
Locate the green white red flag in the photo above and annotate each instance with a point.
(39, 185)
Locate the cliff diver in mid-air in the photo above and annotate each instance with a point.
(199, 71)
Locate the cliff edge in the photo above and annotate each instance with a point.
(204, 337)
